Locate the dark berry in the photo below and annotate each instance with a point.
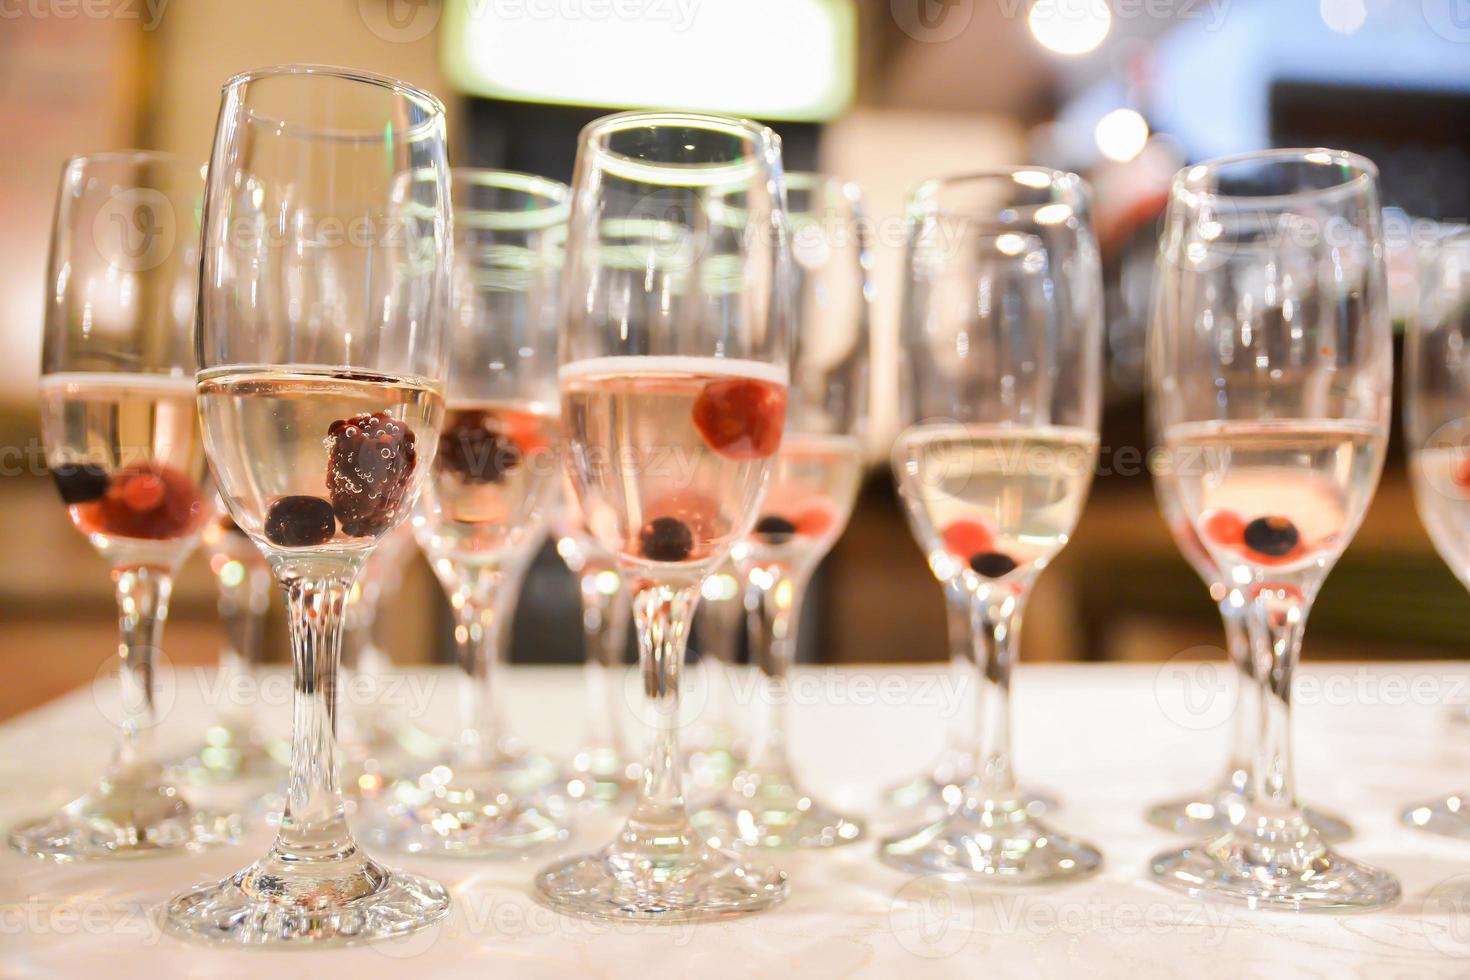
(1272, 536)
(666, 539)
(300, 521)
(993, 564)
(476, 454)
(146, 500)
(79, 483)
(774, 530)
(368, 468)
(741, 418)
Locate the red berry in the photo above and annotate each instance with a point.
(741, 418)
(814, 521)
(146, 500)
(1225, 528)
(371, 459)
(965, 538)
(1462, 474)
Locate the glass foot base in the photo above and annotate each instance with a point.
(767, 810)
(1205, 816)
(462, 814)
(933, 793)
(1448, 816)
(993, 840)
(684, 880)
(1305, 878)
(602, 777)
(116, 821)
(279, 902)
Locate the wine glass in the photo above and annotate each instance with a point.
(1002, 321)
(602, 772)
(1270, 365)
(323, 317)
(1207, 813)
(122, 444)
(1437, 426)
(673, 378)
(813, 488)
(494, 479)
(234, 747)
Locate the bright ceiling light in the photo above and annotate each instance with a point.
(771, 59)
(1344, 16)
(1121, 135)
(1070, 26)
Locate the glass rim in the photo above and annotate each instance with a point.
(130, 156)
(760, 137)
(1190, 184)
(427, 101)
(1070, 196)
(551, 200)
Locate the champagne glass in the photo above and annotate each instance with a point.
(814, 485)
(1270, 366)
(496, 475)
(602, 772)
(322, 325)
(122, 444)
(673, 378)
(233, 746)
(1002, 318)
(1437, 426)
(1207, 813)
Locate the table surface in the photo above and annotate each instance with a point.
(1108, 738)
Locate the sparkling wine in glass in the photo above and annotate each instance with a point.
(813, 486)
(493, 483)
(122, 444)
(1208, 812)
(673, 381)
(323, 313)
(603, 772)
(1270, 368)
(1437, 426)
(1002, 321)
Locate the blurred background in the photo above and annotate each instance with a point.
(881, 92)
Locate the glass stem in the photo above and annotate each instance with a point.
(313, 827)
(1276, 626)
(604, 634)
(476, 630)
(142, 605)
(773, 608)
(995, 628)
(662, 614)
(1247, 721)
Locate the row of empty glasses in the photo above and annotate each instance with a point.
(667, 364)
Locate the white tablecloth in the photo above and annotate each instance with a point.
(1108, 739)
